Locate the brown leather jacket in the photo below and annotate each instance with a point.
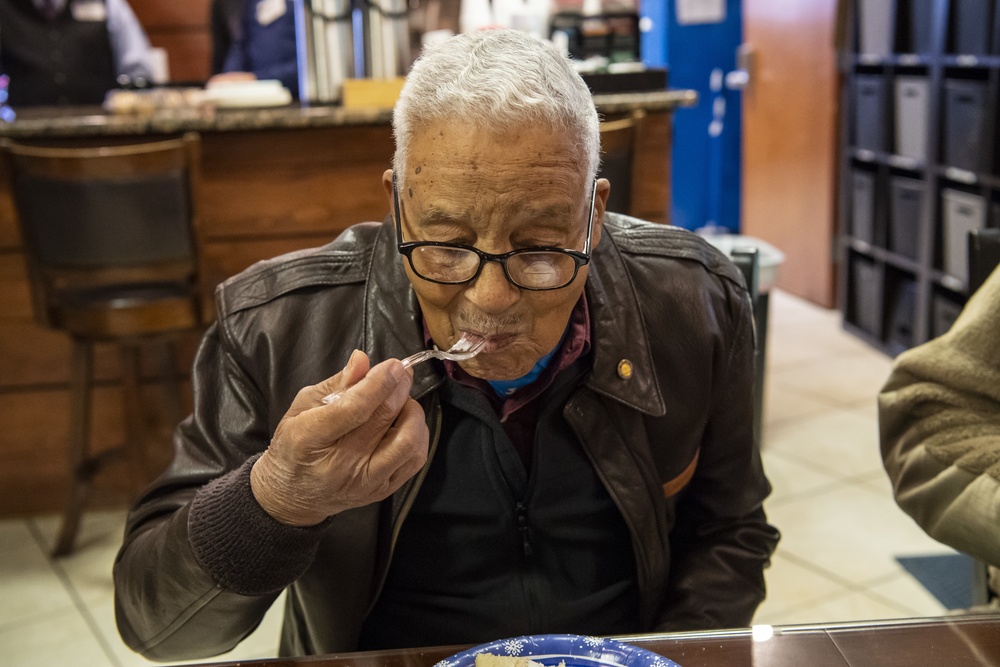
(673, 443)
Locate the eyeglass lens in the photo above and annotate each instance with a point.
(531, 269)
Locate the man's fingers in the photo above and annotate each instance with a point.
(403, 450)
(309, 397)
(373, 404)
(364, 412)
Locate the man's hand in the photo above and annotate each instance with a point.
(231, 77)
(324, 459)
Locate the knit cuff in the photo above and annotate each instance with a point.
(240, 545)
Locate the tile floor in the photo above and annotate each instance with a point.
(832, 502)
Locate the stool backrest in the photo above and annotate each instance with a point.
(92, 217)
(618, 139)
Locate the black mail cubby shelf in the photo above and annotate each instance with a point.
(919, 165)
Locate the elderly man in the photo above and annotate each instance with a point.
(592, 471)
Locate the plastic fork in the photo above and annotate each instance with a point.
(467, 346)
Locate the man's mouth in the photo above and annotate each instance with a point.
(495, 341)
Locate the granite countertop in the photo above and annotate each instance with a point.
(93, 121)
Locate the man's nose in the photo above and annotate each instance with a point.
(491, 292)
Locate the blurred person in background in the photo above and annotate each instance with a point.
(226, 24)
(60, 52)
(264, 45)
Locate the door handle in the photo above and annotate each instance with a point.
(738, 79)
(741, 78)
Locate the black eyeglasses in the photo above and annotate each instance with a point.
(539, 268)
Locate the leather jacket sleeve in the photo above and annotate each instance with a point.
(939, 422)
(721, 541)
(201, 561)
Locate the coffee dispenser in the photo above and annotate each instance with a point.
(342, 39)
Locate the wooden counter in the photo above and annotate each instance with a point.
(273, 181)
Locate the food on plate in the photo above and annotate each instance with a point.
(490, 660)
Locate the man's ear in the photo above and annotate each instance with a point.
(387, 186)
(600, 208)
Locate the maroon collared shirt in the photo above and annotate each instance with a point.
(519, 411)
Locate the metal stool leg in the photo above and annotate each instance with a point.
(133, 414)
(173, 399)
(82, 467)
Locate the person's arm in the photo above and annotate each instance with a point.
(721, 541)
(226, 21)
(168, 603)
(264, 51)
(277, 42)
(236, 59)
(239, 514)
(129, 43)
(939, 422)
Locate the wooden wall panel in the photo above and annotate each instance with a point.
(346, 145)
(651, 169)
(33, 357)
(33, 473)
(14, 287)
(189, 53)
(256, 212)
(271, 192)
(10, 237)
(310, 168)
(183, 29)
(163, 15)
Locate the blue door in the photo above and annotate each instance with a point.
(698, 41)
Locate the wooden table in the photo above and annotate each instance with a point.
(958, 641)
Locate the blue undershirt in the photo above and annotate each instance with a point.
(505, 388)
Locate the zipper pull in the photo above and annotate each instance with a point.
(522, 527)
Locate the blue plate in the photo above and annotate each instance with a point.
(575, 650)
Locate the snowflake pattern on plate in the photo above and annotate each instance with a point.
(574, 650)
(513, 646)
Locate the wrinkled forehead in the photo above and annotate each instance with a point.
(482, 154)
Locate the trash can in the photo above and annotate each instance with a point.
(769, 259)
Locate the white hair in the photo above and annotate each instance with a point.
(499, 81)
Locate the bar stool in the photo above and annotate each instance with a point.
(618, 139)
(109, 236)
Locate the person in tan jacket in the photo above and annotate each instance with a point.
(939, 422)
